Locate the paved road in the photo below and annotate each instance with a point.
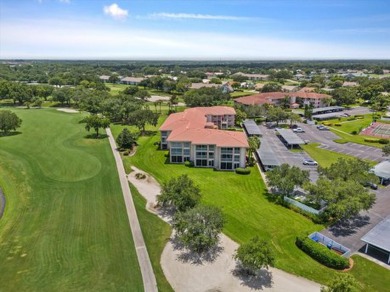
(349, 233)
(285, 155)
(325, 138)
(148, 277)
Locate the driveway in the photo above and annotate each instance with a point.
(325, 138)
(285, 155)
(349, 233)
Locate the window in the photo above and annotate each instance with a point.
(176, 144)
(186, 145)
(201, 147)
(201, 162)
(176, 159)
(226, 165)
(176, 151)
(211, 155)
(186, 152)
(211, 163)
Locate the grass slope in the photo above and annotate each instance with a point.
(65, 226)
(248, 212)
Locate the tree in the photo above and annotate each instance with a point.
(205, 96)
(126, 139)
(198, 228)
(113, 78)
(240, 116)
(344, 199)
(342, 283)
(142, 94)
(95, 122)
(254, 144)
(285, 178)
(180, 193)
(141, 117)
(386, 150)
(255, 255)
(353, 169)
(308, 111)
(271, 87)
(344, 96)
(276, 114)
(9, 121)
(294, 118)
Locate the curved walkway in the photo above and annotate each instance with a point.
(148, 277)
(186, 274)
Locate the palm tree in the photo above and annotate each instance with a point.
(254, 144)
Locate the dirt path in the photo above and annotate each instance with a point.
(185, 272)
(148, 277)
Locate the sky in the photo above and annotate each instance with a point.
(195, 29)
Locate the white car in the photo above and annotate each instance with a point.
(310, 162)
(298, 130)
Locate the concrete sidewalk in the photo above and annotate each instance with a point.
(148, 277)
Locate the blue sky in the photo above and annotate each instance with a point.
(188, 29)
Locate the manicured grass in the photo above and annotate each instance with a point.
(372, 276)
(236, 94)
(324, 157)
(116, 88)
(156, 233)
(246, 208)
(347, 127)
(65, 226)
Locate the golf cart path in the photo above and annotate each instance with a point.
(187, 273)
(148, 277)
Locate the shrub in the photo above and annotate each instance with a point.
(327, 123)
(360, 118)
(354, 132)
(338, 124)
(351, 119)
(139, 175)
(321, 253)
(384, 141)
(126, 153)
(241, 170)
(189, 163)
(371, 140)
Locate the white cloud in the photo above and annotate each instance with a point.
(115, 11)
(165, 15)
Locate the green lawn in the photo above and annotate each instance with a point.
(236, 94)
(347, 127)
(246, 208)
(156, 233)
(325, 157)
(374, 277)
(65, 226)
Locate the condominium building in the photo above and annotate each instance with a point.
(199, 135)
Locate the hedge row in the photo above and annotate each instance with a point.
(241, 170)
(321, 253)
(371, 140)
(384, 141)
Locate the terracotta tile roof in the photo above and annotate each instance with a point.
(191, 124)
(267, 97)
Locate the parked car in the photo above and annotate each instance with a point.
(310, 162)
(298, 130)
(322, 128)
(371, 185)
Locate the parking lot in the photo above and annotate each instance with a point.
(285, 155)
(325, 138)
(349, 233)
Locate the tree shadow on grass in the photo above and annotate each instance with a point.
(194, 258)
(262, 279)
(348, 227)
(14, 133)
(93, 136)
